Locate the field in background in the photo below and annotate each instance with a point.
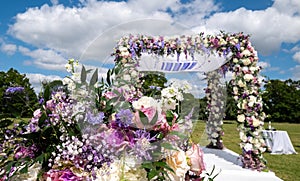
(285, 167)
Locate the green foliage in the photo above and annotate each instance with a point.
(150, 80)
(282, 101)
(231, 105)
(19, 104)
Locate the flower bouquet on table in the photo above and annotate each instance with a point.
(104, 130)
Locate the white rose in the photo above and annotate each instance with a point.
(177, 161)
(253, 69)
(235, 60)
(241, 83)
(235, 90)
(248, 77)
(246, 52)
(241, 118)
(248, 147)
(145, 102)
(246, 61)
(255, 122)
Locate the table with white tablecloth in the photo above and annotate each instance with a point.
(279, 142)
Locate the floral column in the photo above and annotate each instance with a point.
(215, 93)
(246, 89)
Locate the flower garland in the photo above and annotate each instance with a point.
(215, 94)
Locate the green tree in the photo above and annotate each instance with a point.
(282, 101)
(19, 103)
(231, 104)
(152, 82)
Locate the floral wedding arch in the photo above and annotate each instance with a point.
(241, 59)
(115, 130)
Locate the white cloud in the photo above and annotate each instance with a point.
(268, 28)
(264, 65)
(296, 57)
(10, 49)
(90, 30)
(45, 59)
(37, 79)
(296, 72)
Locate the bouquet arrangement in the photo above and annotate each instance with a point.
(86, 129)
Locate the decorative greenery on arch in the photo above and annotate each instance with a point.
(242, 62)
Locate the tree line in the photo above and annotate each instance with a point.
(281, 98)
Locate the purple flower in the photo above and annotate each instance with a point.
(124, 118)
(68, 175)
(12, 90)
(95, 119)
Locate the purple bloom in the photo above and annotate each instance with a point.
(68, 175)
(124, 118)
(12, 90)
(238, 46)
(95, 119)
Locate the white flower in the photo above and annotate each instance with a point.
(248, 77)
(253, 69)
(246, 61)
(246, 52)
(215, 135)
(235, 90)
(248, 147)
(177, 161)
(169, 104)
(169, 92)
(144, 102)
(241, 83)
(126, 77)
(243, 137)
(255, 122)
(241, 118)
(68, 67)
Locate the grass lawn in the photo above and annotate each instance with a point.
(286, 167)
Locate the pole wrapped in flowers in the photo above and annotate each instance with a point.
(216, 98)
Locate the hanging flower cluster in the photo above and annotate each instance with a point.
(215, 94)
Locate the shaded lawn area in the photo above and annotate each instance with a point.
(285, 167)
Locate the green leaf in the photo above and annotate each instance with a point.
(83, 75)
(24, 169)
(108, 77)
(168, 146)
(47, 93)
(40, 158)
(154, 119)
(152, 174)
(94, 78)
(148, 165)
(143, 118)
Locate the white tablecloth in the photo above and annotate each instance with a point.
(279, 142)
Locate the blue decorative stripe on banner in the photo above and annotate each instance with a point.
(193, 65)
(169, 66)
(177, 66)
(185, 66)
(163, 66)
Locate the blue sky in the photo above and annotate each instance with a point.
(38, 37)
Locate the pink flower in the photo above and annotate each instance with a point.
(110, 95)
(149, 112)
(195, 159)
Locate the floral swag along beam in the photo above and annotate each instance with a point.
(116, 130)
